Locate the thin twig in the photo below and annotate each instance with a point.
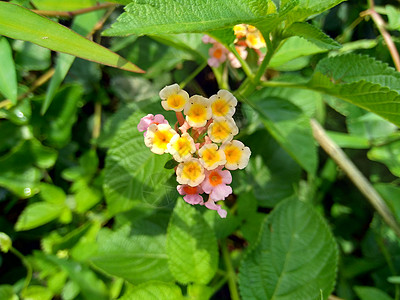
(354, 174)
(70, 14)
(381, 25)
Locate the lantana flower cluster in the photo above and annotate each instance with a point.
(201, 142)
(247, 36)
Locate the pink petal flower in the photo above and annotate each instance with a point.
(210, 204)
(215, 183)
(146, 121)
(191, 193)
(206, 39)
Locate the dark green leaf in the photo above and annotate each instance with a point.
(154, 291)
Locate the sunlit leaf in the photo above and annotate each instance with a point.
(46, 33)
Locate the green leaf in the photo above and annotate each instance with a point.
(63, 5)
(296, 257)
(154, 291)
(135, 258)
(8, 76)
(371, 293)
(82, 24)
(306, 8)
(134, 174)
(5, 242)
(191, 246)
(160, 17)
(290, 128)
(389, 155)
(7, 292)
(293, 48)
(344, 140)
(20, 173)
(90, 285)
(362, 81)
(312, 34)
(390, 193)
(393, 15)
(37, 214)
(37, 292)
(52, 194)
(46, 33)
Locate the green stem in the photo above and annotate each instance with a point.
(231, 274)
(26, 264)
(246, 68)
(193, 75)
(216, 287)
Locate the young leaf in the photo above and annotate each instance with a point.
(191, 246)
(388, 154)
(135, 258)
(160, 17)
(296, 257)
(154, 291)
(46, 33)
(37, 214)
(8, 76)
(312, 34)
(290, 128)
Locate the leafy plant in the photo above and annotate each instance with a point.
(88, 211)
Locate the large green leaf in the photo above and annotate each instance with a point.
(133, 173)
(135, 258)
(289, 126)
(312, 34)
(191, 246)
(7, 292)
(296, 257)
(154, 291)
(160, 17)
(8, 76)
(46, 33)
(292, 48)
(307, 8)
(360, 80)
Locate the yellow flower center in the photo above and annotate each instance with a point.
(233, 154)
(214, 178)
(197, 113)
(176, 101)
(220, 108)
(211, 156)
(192, 170)
(182, 146)
(220, 130)
(162, 138)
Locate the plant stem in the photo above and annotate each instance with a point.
(381, 25)
(230, 271)
(26, 264)
(73, 13)
(341, 159)
(193, 75)
(97, 120)
(246, 68)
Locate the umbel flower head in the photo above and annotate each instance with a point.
(202, 144)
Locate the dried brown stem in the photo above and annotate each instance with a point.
(381, 25)
(359, 180)
(70, 14)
